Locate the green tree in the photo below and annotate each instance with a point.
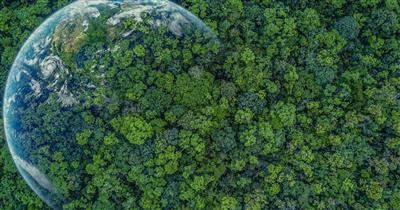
(133, 128)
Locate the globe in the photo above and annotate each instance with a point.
(97, 89)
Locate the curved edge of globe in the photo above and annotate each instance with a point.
(36, 180)
(32, 176)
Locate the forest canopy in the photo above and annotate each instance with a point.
(298, 108)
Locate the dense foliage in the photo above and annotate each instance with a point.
(302, 113)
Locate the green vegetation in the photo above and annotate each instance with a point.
(300, 110)
(134, 129)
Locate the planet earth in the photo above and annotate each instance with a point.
(96, 92)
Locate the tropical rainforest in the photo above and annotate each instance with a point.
(299, 108)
